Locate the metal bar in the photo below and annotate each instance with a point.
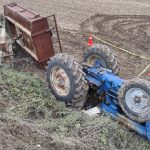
(42, 32)
(39, 33)
(140, 129)
(132, 125)
(51, 28)
(113, 91)
(57, 33)
(50, 16)
(112, 96)
(7, 55)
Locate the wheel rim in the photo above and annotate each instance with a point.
(60, 81)
(93, 58)
(137, 100)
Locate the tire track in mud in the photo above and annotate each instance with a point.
(131, 32)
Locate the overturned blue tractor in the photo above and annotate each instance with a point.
(97, 79)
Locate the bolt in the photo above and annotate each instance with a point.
(60, 82)
(137, 99)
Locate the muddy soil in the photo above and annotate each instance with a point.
(131, 32)
(17, 134)
(123, 23)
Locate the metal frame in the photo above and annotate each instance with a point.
(143, 130)
(56, 27)
(31, 32)
(109, 84)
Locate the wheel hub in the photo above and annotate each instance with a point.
(137, 99)
(60, 81)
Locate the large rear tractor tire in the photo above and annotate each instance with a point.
(134, 99)
(67, 80)
(104, 54)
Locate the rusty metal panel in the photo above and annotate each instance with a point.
(43, 46)
(31, 31)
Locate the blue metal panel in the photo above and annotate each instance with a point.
(108, 83)
(147, 126)
(105, 80)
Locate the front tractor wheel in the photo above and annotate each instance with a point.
(134, 99)
(104, 55)
(66, 80)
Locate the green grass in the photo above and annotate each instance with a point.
(29, 98)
